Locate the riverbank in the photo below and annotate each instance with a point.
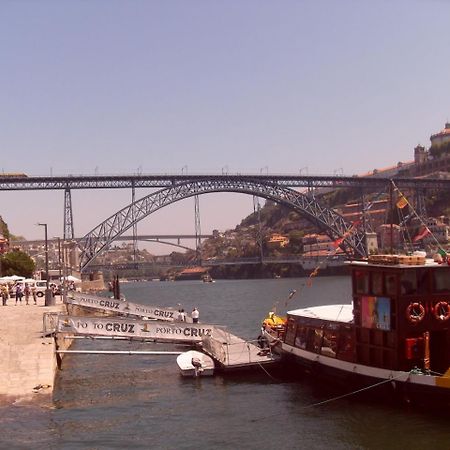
(28, 362)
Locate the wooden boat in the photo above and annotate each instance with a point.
(207, 278)
(393, 339)
(195, 364)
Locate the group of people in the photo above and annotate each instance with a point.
(19, 293)
(182, 315)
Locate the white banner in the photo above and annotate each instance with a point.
(122, 307)
(133, 328)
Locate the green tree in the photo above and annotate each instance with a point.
(17, 263)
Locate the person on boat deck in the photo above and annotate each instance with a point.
(195, 314)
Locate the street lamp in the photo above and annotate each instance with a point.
(49, 300)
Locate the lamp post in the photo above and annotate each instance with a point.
(49, 300)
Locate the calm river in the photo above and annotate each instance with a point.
(117, 402)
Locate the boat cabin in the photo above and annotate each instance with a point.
(400, 318)
(401, 313)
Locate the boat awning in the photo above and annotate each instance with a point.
(336, 313)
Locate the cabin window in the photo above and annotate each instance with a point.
(290, 332)
(441, 281)
(302, 337)
(377, 283)
(391, 285)
(345, 344)
(361, 282)
(408, 282)
(316, 340)
(376, 312)
(329, 343)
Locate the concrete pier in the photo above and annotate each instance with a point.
(27, 359)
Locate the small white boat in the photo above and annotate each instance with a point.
(195, 364)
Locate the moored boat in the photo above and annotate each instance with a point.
(195, 364)
(207, 278)
(394, 338)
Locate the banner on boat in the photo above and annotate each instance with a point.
(122, 307)
(132, 328)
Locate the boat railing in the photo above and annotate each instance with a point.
(230, 350)
(216, 344)
(49, 323)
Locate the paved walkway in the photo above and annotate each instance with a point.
(27, 360)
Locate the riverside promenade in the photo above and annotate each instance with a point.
(27, 359)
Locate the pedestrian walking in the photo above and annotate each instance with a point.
(33, 293)
(19, 293)
(5, 294)
(27, 292)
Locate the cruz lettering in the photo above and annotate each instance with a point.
(108, 304)
(166, 314)
(120, 327)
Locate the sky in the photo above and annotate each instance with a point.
(248, 86)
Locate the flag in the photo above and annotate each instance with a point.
(338, 242)
(401, 201)
(424, 232)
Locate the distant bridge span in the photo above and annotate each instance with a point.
(332, 223)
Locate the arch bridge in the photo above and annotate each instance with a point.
(332, 223)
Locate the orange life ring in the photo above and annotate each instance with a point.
(415, 312)
(441, 311)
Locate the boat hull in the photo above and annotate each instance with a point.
(195, 364)
(398, 389)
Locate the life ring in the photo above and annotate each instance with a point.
(441, 311)
(415, 312)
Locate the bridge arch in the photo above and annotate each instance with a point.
(332, 223)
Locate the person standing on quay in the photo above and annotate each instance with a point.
(33, 293)
(195, 314)
(19, 293)
(27, 291)
(5, 294)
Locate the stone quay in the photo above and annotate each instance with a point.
(28, 363)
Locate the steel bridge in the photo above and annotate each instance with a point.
(172, 188)
(23, 182)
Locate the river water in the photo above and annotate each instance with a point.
(115, 402)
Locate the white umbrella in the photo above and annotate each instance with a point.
(72, 278)
(16, 278)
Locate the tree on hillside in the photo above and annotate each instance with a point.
(16, 263)
(4, 229)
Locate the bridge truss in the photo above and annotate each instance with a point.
(332, 223)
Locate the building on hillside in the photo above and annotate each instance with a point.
(374, 216)
(318, 244)
(3, 244)
(277, 240)
(439, 231)
(442, 137)
(432, 160)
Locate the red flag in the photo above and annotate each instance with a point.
(338, 242)
(424, 232)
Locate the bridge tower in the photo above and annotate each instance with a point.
(133, 213)
(68, 216)
(198, 233)
(259, 237)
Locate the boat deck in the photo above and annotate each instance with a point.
(232, 352)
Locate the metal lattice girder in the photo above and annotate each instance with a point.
(68, 216)
(17, 183)
(332, 223)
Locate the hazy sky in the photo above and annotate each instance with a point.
(114, 87)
